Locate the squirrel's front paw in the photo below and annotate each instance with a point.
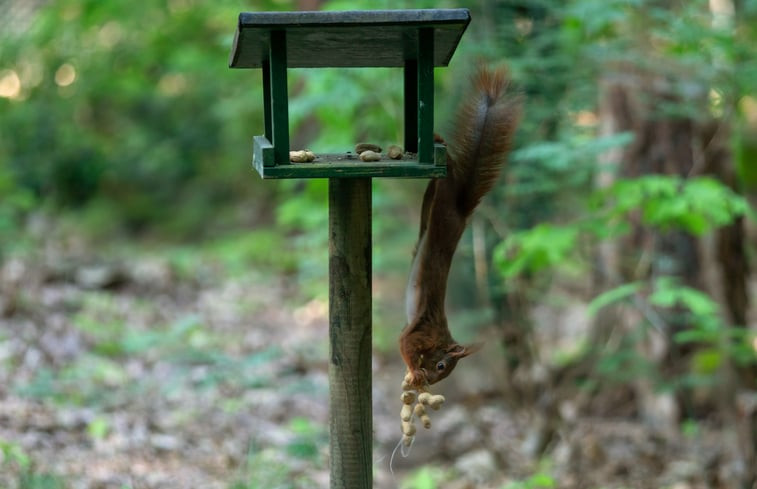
(415, 378)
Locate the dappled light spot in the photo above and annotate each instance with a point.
(586, 118)
(65, 75)
(10, 84)
(748, 106)
(110, 34)
(716, 102)
(311, 312)
(176, 6)
(172, 84)
(31, 73)
(524, 25)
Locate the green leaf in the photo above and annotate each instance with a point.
(424, 478)
(707, 361)
(541, 481)
(696, 335)
(669, 293)
(98, 428)
(613, 295)
(699, 303)
(540, 247)
(13, 453)
(696, 205)
(665, 292)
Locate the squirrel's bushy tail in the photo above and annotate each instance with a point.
(482, 137)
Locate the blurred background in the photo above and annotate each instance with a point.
(163, 311)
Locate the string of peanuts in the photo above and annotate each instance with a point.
(414, 404)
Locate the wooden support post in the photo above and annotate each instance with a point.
(350, 410)
(411, 105)
(279, 100)
(426, 95)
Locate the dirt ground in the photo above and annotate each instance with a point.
(145, 376)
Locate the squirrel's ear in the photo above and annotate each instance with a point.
(460, 351)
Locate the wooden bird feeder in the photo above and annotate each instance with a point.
(417, 41)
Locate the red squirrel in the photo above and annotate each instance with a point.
(482, 138)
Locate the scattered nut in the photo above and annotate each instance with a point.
(361, 147)
(394, 152)
(420, 411)
(436, 402)
(407, 412)
(408, 397)
(415, 402)
(369, 155)
(301, 156)
(408, 428)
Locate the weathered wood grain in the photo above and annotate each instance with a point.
(376, 38)
(347, 165)
(350, 410)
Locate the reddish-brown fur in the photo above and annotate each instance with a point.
(482, 137)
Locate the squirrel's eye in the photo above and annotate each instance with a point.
(440, 366)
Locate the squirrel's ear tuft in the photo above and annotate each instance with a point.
(460, 351)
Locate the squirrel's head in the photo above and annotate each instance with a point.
(438, 364)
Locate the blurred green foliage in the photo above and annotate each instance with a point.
(557, 217)
(308, 439)
(426, 477)
(128, 121)
(125, 120)
(696, 205)
(266, 468)
(133, 119)
(14, 460)
(539, 480)
(717, 342)
(12, 453)
(129, 109)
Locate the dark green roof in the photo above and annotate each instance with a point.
(375, 38)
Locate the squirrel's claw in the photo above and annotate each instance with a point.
(418, 377)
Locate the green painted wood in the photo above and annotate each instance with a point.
(346, 165)
(279, 97)
(350, 410)
(262, 154)
(267, 98)
(440, 156)
(375, 38)
(426, 96)
(315, 170)
(411, 105)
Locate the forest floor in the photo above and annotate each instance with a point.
(151, 372)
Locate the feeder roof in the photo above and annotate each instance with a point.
(371, 38)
